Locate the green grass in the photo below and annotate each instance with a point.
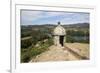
(28, 53)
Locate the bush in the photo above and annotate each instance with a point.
(26, 43)
(29, 53)
(69, 39)
(25, 55)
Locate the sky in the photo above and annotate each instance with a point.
(31, 17)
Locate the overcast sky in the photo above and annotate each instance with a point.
(29, 17)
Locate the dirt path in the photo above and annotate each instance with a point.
(55, 54)
(81, 49)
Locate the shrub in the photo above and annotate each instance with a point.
(29, 53)
(26, 43)
(69, 39)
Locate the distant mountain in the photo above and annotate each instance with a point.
(78, 25)
(81, 25)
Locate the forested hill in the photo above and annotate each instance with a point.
(78, 25)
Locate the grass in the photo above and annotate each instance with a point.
(28, 53)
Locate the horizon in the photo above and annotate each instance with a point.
(57, 24)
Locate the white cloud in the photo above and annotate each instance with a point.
(28, 16)
(35, 15)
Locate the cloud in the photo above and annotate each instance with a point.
(30, 15)
(40, 17)
(76, 18)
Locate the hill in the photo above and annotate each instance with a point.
(78, 25)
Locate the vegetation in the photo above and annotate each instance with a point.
(33, 51)
(26, 42)
(77, 36)
(34, 42)
(36, 39)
